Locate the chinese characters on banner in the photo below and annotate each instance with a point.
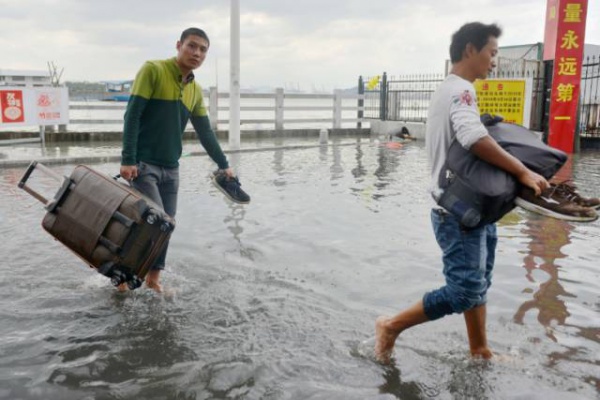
(11, 106)
(566, 80)
(503, 97)
(20, 106)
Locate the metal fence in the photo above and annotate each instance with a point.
(407, 97)
(520, 68)
(402, 98)
(589, 114)
(270, 111)
(260, 112)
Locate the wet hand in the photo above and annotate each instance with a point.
(229, 172)
(128, 172)
(535, 181)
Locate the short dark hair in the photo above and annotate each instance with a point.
(476, 33)
(195, 32)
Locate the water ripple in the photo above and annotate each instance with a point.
(272, 300)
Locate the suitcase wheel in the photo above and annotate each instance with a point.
(134, 283)
(151, 218)
(166, 227)
(117, 277)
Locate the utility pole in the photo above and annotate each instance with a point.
(234, 86)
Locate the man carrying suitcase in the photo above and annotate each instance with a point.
(468, 255)
(163, 99)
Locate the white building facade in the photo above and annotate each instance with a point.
(26, 78)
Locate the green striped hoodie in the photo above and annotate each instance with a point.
(158, 111)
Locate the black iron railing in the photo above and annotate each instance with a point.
(407, 97)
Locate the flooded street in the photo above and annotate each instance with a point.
(272, 300)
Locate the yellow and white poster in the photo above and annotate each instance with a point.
(509, 98)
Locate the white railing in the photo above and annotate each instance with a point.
(276, 109)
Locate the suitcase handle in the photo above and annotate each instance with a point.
(118, 176)
(27, 174)
(64, 188)
(23, 182)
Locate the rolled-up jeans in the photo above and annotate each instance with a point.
(161, 185)
(468, 257)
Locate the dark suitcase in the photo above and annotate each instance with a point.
(111, 226)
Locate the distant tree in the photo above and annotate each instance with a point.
(86, 90)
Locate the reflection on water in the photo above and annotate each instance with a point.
(548, 236)
(405, 390)
(549, 301)
(337, 168)
(272, 300)
(359, 171)
(145, 338)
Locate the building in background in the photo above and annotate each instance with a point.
(405, 98)
(23, 77)
(117, 90)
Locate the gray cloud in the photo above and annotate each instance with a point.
(324, 43)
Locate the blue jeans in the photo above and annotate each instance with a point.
(468, 258)
(161, 185)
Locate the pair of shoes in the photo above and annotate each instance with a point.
(569, 190)
(556, 202)
(231, 187)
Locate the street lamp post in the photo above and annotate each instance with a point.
(234, 85)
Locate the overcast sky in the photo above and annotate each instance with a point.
(310, 44)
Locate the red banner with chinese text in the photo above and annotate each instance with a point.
(566, 80)
(11, 106)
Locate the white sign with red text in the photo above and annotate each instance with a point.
(21, 106)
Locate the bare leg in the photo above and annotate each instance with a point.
(475, 320)
(387, 329)
(122, 287)
(152, 280)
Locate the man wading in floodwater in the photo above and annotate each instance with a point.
(468, 256)
(164, 98)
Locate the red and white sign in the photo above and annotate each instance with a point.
(20, 106)
(49, 106)
(566, 81)
(11, 106)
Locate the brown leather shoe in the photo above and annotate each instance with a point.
(570, 191)
(557, 203)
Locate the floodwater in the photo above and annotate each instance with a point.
(272, 300)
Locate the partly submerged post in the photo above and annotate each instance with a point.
(383, 98)
(323, 136)
(279, 98)
(234, 86)
(337, 109)
(43, 135)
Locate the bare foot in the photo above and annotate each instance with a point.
(122, 287)
(152, 280)
(484, 353)
(384, 340)
(157, 287)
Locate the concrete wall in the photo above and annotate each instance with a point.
(416, 129)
